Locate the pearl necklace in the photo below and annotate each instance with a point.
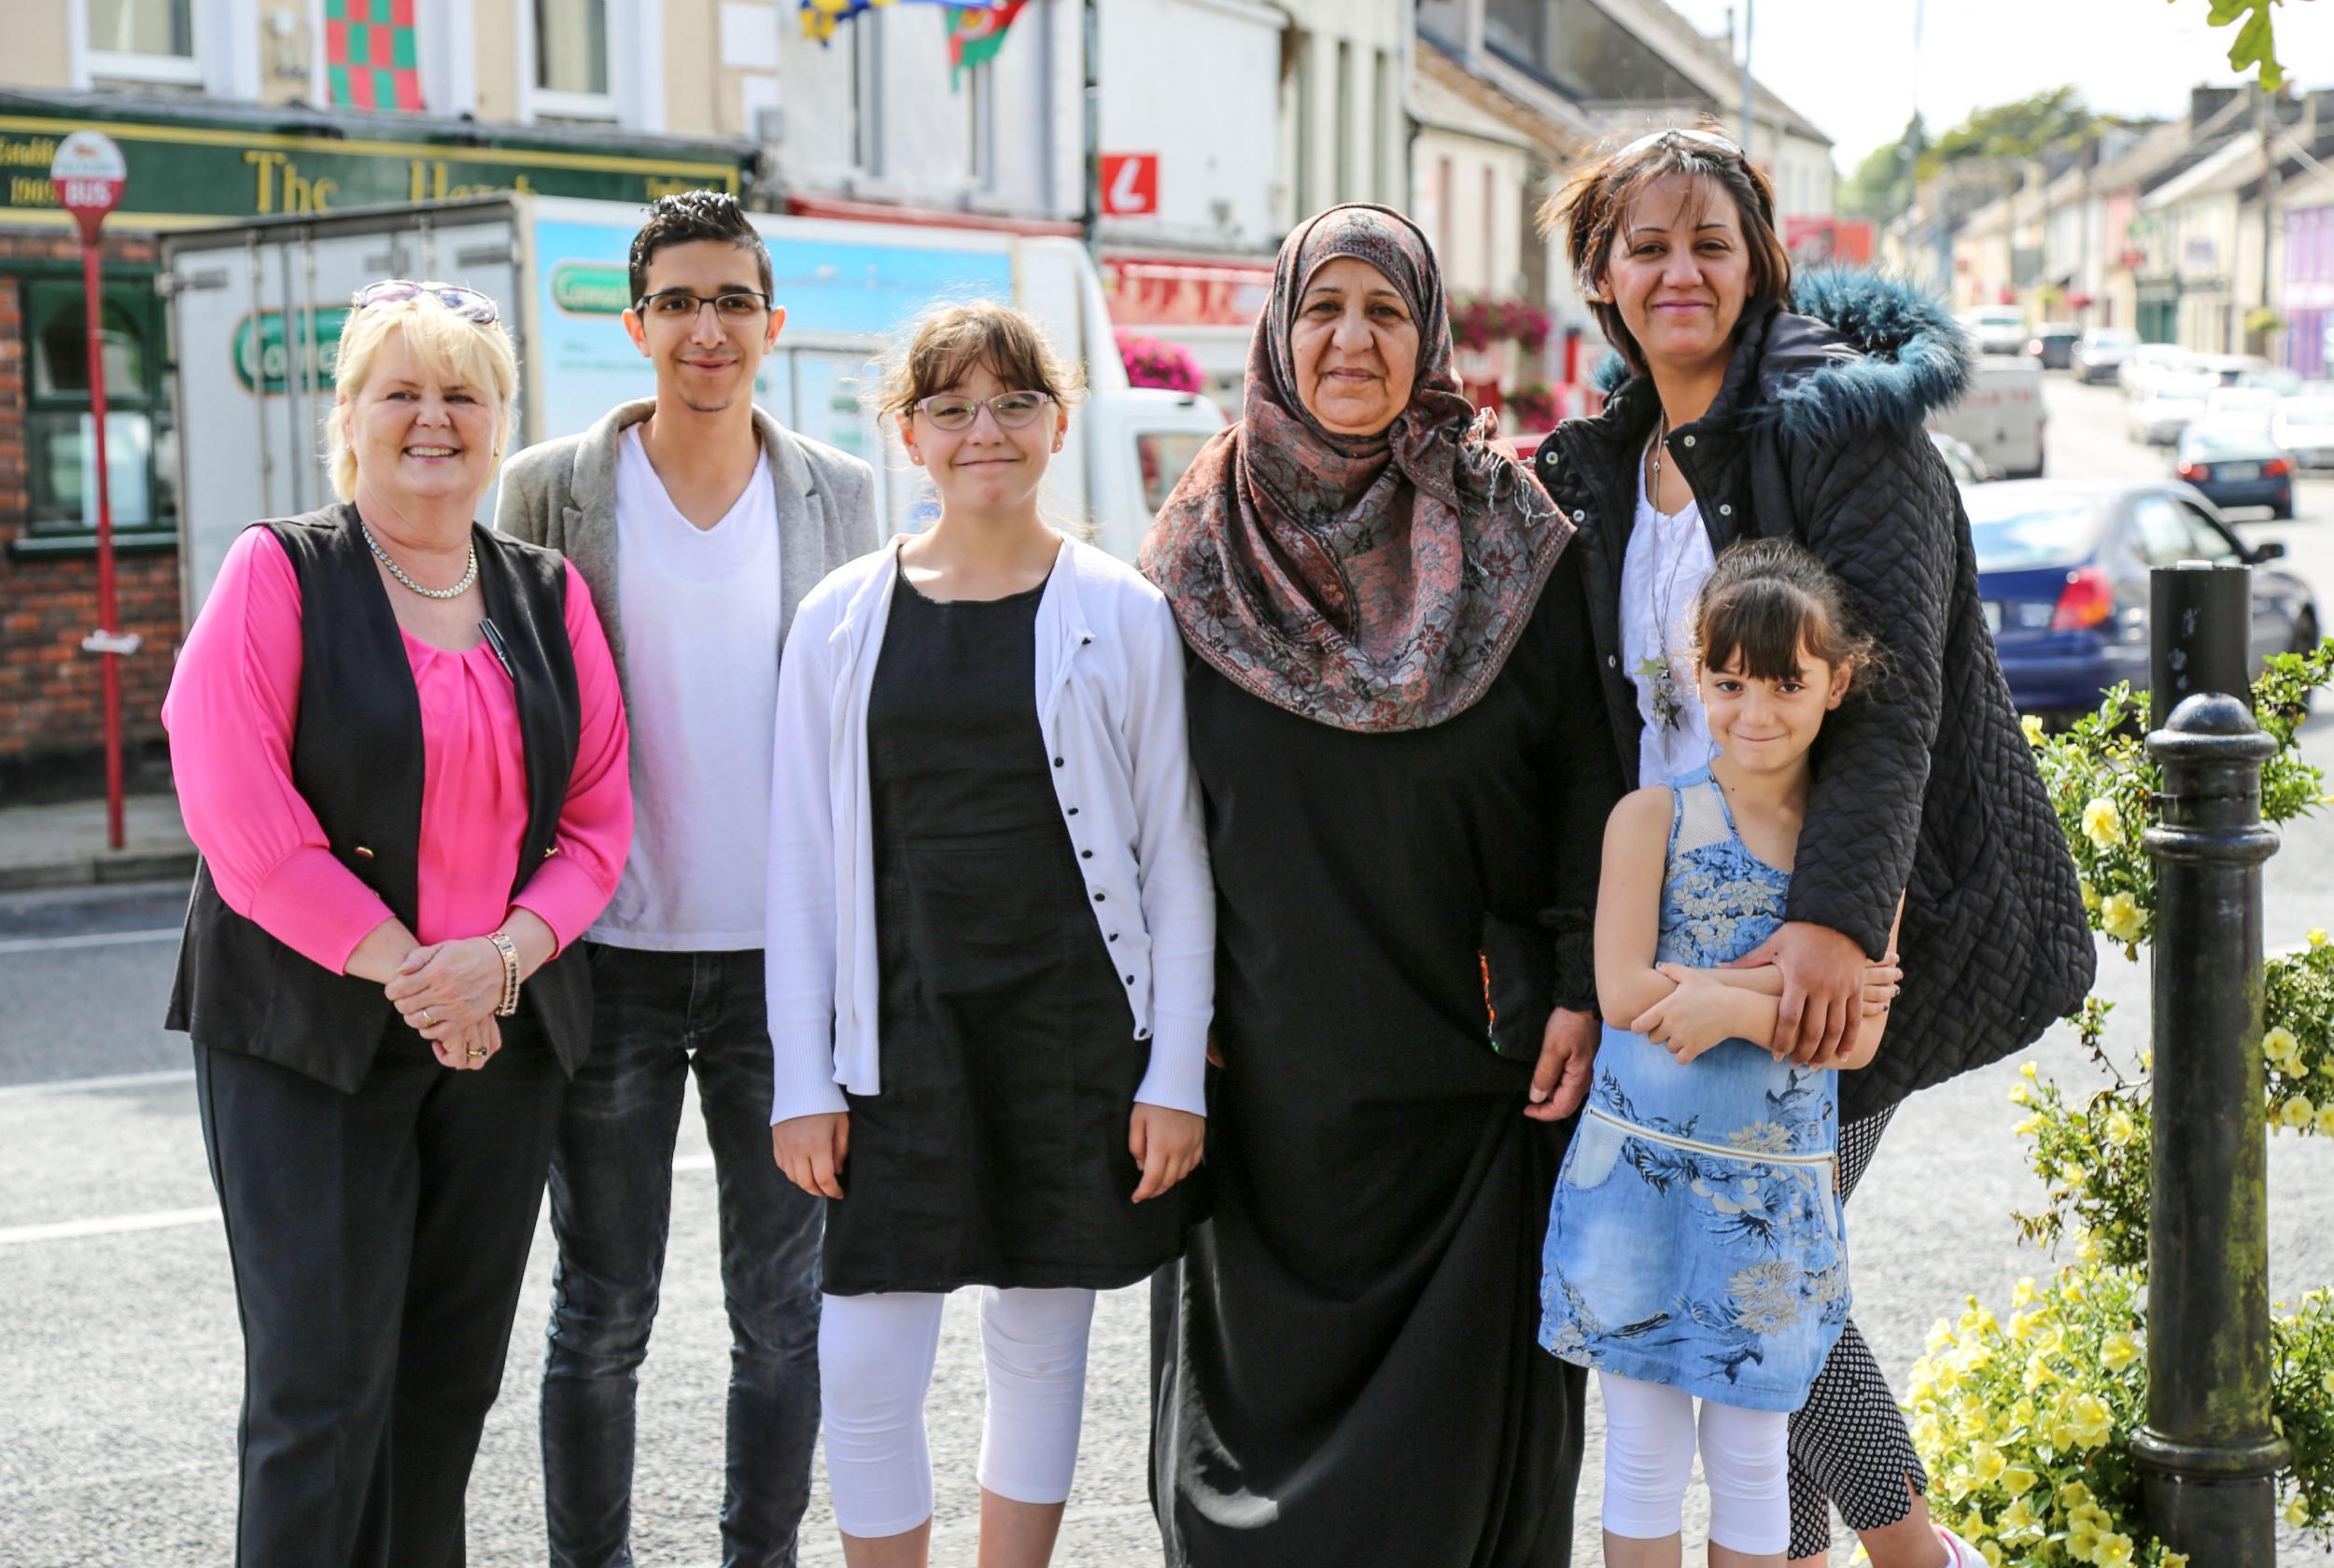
(470, 574)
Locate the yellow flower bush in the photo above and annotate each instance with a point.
(2025, 1422)
(2026, 1426)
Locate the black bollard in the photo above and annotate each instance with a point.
(2199, 620)
(2208, 1453)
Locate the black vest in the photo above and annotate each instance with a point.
(356, 761)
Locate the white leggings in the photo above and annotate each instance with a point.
(875, 1366)
(1648, 1459)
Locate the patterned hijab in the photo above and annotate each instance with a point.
(1368, 583)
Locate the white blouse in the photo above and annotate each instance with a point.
(1109, 699)
(1662, 573)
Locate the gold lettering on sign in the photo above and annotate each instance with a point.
(31, 191)
(38, 152)
(265, 163)
(426, 181)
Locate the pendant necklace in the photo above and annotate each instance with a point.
(470, 573)
(1656, 668)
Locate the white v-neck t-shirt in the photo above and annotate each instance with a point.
(700, 615)
(1662, 573)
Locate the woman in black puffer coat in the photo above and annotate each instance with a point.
(1741, 406)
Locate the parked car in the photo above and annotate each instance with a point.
(2230, 370)
(2100, 352)
(2234, 463)
(2063, 567)
(2001, 415)
(2240, 404)
(2159, 418)
(2304, 427)
(2146, 364)
(2271, 378)
(2053, 343)
(1962, 460)
(1996, 328)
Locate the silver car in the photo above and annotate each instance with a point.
(2304, 427)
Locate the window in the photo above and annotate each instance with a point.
(2163, 530)
(866, 92)
(2206, 541)
(1305, 184)
(1346, 132)
(141, 452)
(1385, 111)
(152, 27)
(571, 47)
(980, 125)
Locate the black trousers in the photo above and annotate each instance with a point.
(378, 1240)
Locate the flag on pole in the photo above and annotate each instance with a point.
(371, 58)
(976, 34)
(818, 17)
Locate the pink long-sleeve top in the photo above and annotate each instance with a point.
(233, 708)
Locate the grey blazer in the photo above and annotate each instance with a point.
(562, 494)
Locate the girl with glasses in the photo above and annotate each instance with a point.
(990, 947)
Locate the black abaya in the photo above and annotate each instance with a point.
(1345, 1364)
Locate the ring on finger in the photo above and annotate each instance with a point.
(478, 1053)
(428, 1019)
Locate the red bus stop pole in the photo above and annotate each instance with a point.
(108, 617)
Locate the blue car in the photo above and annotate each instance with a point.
(2237, 463)
(2063, 567)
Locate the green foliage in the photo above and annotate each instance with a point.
(2017, 129)
(2256, 43)
(2025, 1425)
(1882, 185)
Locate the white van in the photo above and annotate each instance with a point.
(2002, 415)
(256, 309)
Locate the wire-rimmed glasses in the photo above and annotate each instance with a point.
(732, 307)
(953, 411)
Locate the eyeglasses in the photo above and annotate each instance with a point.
(951, 411)
(467, 303)
(736, 307)
(1708, 138)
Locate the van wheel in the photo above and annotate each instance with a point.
(2284, 511)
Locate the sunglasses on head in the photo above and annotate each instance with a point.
(1706, 138)
(467, 303)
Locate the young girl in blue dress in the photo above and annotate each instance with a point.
(1694, 1246)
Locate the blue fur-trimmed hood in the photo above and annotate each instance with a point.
(1857, 351)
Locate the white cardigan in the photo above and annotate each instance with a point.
(1109, 697)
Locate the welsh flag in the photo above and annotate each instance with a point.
(371, 59)
(818, 17)
(976, 34)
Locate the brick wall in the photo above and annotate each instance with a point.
(52, 693)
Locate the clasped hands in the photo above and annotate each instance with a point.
(1827, 993)
(447, 993)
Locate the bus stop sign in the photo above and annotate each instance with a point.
(88, 174)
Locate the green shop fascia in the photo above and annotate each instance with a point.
(199, 163)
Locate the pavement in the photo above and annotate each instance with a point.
(120, 1374)
(64, 843)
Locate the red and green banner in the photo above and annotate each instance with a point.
(976, 34)
(370, 57)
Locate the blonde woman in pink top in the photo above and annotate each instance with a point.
(400, 745)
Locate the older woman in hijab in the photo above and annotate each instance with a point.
(1394, 719)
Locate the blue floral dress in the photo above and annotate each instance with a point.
(1695, 1236)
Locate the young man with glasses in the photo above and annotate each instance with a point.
(699, 524)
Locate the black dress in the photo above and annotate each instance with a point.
(996, 1153)
(1345, 1364)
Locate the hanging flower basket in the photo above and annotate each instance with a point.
(1480, 320)
(1534, 405)
(1156, 362)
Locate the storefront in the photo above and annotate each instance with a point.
(189, 165)
(1208, 306)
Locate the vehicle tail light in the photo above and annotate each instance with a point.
(2193, 472)
(2277, 466)
(2088, 600)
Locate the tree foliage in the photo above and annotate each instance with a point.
(1882, 185)
(2255, 43)
(2019, 130)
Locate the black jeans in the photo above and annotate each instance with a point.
(378, 1240)
(654, 1017)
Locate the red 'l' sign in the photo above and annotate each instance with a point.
(1130, 183)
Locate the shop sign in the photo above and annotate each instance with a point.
(1185, 293)
(263, 358)
(183, 175)
(588, 288)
